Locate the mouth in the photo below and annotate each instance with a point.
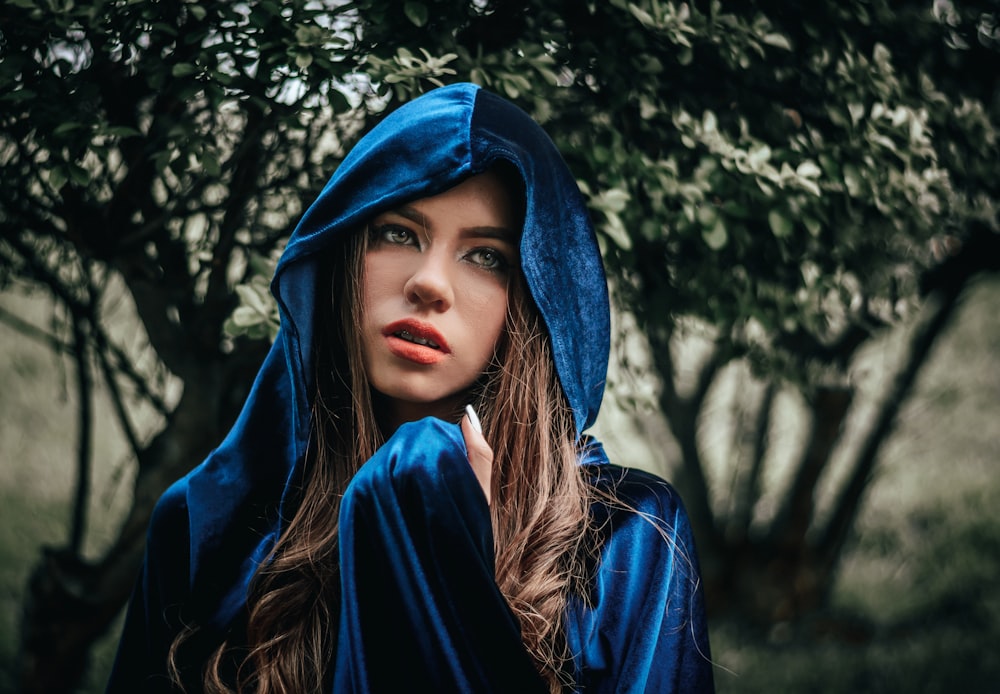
(416, 341)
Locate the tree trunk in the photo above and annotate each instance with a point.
(70, 603)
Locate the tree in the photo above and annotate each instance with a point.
(781, 175)
(159, 145)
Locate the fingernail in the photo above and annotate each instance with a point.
(474, 419)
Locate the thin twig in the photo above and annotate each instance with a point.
(112, 382)
(33, 332)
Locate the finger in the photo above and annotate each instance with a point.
(480, 455)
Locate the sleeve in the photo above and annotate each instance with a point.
(420, 608)
(153, 619)
(644, 627)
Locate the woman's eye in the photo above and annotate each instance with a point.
(394, 235)
(488, 259)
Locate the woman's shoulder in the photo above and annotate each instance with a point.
(628, 487)
(638, 513)
(631, 480)
(634, 488)
(170, 513)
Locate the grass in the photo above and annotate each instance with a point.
(916, 607)
(905, 618)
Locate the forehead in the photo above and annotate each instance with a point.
(482, 200)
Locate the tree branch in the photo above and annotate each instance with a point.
(849, 501)
(35, 333)
(112, 382)
(242, 187)
(64, 295)
(749, 492)
(81, 498)
(829, 410)
(682, 418)
(980, 252)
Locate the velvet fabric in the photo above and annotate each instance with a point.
(419, 608)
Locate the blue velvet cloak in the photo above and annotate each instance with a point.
(419, 609)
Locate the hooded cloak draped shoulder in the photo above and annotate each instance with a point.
(419, 608)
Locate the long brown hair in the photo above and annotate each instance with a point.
(540, 501)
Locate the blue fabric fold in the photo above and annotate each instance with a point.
(420, 609)
(657, 642)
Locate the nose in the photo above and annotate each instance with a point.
(430, 285)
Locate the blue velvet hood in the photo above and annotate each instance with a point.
(423, 148)
(432, 144)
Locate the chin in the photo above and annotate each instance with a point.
(421, 399)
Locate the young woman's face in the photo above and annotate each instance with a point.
(435, 296)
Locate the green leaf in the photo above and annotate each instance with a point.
(808, 169)
(303, 60)
(244, 317)
(183, 70)
(416, 12)
(647, 109)
(261, 265)
(64, 128)
(707, 216)
(853, 180)
(57, 177)
(615, 230)
(735, 209)
(122, 131)
(252, 298)
(210, 164)
(163, 27)
(717, 236)
(810, 185)
(777, 40)
(857, 112)
(79, 175)
(781, 225)
(18, 95)
(759, 156)
(613, 200)
(709, 122)
(651, 230)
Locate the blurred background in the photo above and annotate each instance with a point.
(797, 206)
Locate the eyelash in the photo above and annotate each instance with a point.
(500, 263)
(383, 234)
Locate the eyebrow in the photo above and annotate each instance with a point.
(505, 234)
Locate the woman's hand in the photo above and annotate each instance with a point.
(480, 453)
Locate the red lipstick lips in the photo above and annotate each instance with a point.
(416, 341)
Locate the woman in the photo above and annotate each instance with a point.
(355, 532)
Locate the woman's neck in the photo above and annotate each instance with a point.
(391, 413)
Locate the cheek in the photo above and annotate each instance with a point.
(487, 312)
(378, 281)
